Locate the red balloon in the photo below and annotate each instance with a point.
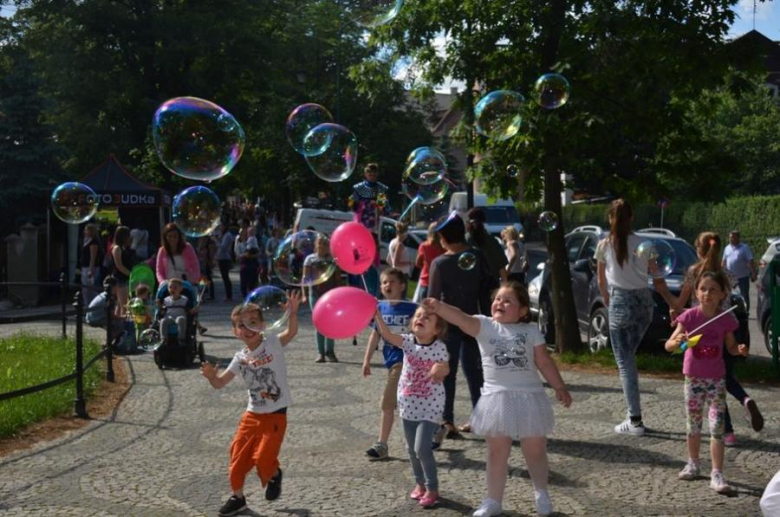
(343, 312)
(353, 247)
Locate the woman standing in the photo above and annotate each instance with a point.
(122, 257)
(397, 254)
(91, 260)
(176, 258)
(426, 253)
(207, 252)
(247, 250)
(515, 255)
(225, 259)
(622, 277)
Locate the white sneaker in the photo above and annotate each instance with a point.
(626, 427)
(543, 503)
(689, 472)
(488, 508)
(718, 482)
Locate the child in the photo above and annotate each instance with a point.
(140, 310)
(513, 405)
(421, 395)
(705, 372)
(396, 314)
(314, 266)
(262, 366)
(175, 309)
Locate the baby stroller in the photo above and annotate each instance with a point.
(174, 348)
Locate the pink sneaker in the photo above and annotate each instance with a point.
(418, 492)
(729, 440)
(430, 498)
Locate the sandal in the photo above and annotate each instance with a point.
(450, 431)
(465, 428)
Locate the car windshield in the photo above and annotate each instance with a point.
(686, 256)
(500, 214)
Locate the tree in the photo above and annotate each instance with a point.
(629, 63)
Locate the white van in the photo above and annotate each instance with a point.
(326, 221)
(499, 213)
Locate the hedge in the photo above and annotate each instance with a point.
(756, 218)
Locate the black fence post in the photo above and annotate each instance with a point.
(109, 341)
(64, 295)
(81, 405)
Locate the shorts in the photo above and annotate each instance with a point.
(256, 444)
(390, 396)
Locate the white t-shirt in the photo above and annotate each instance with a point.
(520, 256)
(508, 356)
(175, 308)
(176, 267)
(264, 372)
(633, 273)
(405, 264)
(418, 397)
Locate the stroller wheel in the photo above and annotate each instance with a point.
(201, 353)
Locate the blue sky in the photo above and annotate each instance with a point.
(767, 18)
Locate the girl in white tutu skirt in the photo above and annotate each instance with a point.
(513, 404)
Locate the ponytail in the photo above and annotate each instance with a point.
(708, 248)
(620, 216)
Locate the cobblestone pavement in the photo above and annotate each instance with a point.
(164, 452)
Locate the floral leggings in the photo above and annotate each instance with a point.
(698, 392)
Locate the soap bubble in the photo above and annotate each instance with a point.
(149, 338)
(425, 194)
(548, 221)
(372, 13)
(289, 261)
(498, 114)
(552, 90)
(74, 203)
(425, 166)
(512, 170)
(467, 261)
(196, 139)
(197, 210)
(655, 257)
(303, 119)
(337, 161)
(273, 304)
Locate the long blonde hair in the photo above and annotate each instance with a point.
(708, 248)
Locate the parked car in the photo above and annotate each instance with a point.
(499, 213)
(592, 313)
(764, 305)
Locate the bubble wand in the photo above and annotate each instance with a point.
(415, 200)
(693, 341)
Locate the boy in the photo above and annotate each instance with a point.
(175, 307)
(261, 430)
(396, 315)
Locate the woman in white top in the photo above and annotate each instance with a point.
(397, 254)
(622, 277)
(516, 256)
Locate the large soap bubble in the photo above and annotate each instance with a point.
(425, 166)
(655, 257)
(196, 139)
(303, 119)
(423, 194)
(498, 114)
(552, 90)
(304, 259)
(74, 203)
(372, 13)
(337, 161)
(197, 211)
(273, 304)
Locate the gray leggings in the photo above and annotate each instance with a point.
(179, 321)
(419, 438)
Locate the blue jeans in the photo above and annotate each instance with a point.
(744, 290)
(419, 438)
(630, 313)
(463, 347)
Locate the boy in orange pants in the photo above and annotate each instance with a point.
(260, 433)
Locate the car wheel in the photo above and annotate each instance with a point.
(768, 334)
(598, 331)
(545, 321)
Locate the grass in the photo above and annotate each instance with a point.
(755, 370)
(27, 360)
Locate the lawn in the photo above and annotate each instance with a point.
(28, 360)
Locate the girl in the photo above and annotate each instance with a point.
(515, 254)
(421, 395)
(426, 252)
(397, 254)
(705, 372)
(122, 257)
(513, 405)
(314, 266)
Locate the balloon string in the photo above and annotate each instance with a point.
(365, 285)
(414, 202)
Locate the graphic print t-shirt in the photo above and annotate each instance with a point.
(264, 372)
(418, 397)
(396, 316)
(508, 356)
(706, 358)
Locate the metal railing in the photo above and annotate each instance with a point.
(81, 367)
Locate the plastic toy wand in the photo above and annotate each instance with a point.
(694, 340)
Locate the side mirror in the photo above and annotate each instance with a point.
(582, 266)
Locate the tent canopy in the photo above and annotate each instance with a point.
(116, 187)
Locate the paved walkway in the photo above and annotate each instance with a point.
(164, 452)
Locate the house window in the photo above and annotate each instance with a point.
(774, 90)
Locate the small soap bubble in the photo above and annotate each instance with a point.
(337, 162)
(149, 338)
(548, 221)
(425, 166)
(304, 259)
(74, 203)
(467, 261)
(498, 114)
(552, 90)
(197, 211)
(655, 257)
(512, 170)
(372, 13)
(303, 119)
(273, 305)
(196, 139)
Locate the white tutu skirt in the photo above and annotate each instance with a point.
(515, 414)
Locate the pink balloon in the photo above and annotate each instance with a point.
(353, 247)
(343, 312)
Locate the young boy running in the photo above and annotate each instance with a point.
(261, 365)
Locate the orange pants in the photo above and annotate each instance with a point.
(256, 444)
